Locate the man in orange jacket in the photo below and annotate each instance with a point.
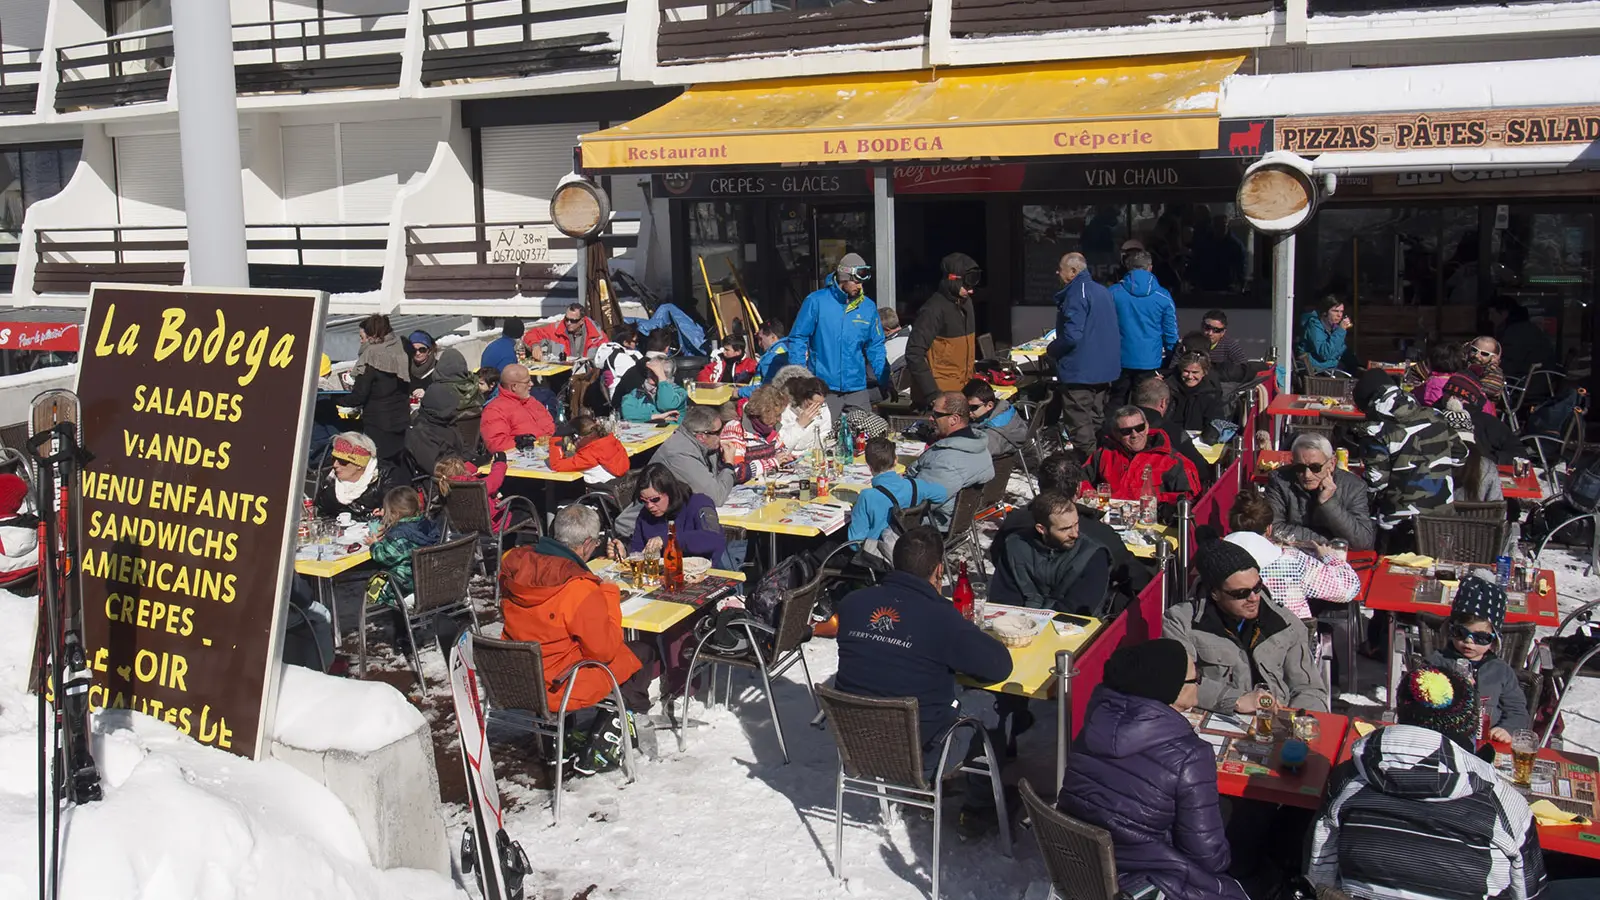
(549, 596)
(514, 412)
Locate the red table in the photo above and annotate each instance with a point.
(1578, 840)
(1525, 488)
(1268, 781)
(1298, 405)
(1394, 593)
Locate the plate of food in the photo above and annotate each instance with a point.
(696, 568)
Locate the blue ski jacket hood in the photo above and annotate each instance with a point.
(1147, 318)
(841, 339)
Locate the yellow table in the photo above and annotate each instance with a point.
(658, 615)
(547, 369)
(1211, 453)
(322, 571)
(1148, 551)
(711, 396)
(768, 518)
(1033, 667)
(1005, 391)
(636, 438)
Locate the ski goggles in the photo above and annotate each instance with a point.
(971, 278)
(854, 273)
(1463, 633)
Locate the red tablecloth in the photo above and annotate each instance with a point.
(1271, 783)
(1525, 488)
(1386, 590)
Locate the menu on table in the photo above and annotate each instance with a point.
(1237, 750)
(823, 516)
(1567, 784)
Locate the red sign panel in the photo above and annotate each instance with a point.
(52, 336)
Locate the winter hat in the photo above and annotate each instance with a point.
(849, 263)
(1264, 552)
(351, 452)
(1154, 669)
(1220, 560)
(421, 338)
(1440, 700)
(1483, 599)
(324, 367)
(13, 490)
(511, 327)
(1369, 386)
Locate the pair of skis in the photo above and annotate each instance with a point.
(67, 773)
(487, 850)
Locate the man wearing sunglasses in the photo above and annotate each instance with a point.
(942, 349)
(1228, 358)
(1128, 448)
(1245, 646)
(1312, 499)
(958, 457)
(840, 337)
(1483, 361)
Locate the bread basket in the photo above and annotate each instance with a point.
(1014, 630)
(695, 569)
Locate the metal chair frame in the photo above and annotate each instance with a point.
(788, 648)
(858, 776)
(466, 511)
(427, 564)
(522, 680)
(963, 525)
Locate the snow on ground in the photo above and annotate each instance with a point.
(179, 820)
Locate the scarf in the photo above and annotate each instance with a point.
(348, 492)
(386, 355)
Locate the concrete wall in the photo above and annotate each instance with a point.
(445, 193)
(17, 391)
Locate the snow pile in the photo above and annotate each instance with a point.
(321, 712)
(180, 821)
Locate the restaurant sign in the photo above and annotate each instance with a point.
(1015, 139)
(1448, 129)
(196, 408)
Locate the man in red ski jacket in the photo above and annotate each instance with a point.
(574, 333)
(1127, 447)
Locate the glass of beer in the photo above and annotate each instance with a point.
(1524, 747)
(1265, 713)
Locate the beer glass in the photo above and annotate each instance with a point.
(1524, 747)
(1307, 728)
(1265, 714)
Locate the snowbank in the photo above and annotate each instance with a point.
(180, 821)
(320, 712)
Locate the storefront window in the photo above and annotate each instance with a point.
(1203, 253)
(1544, 259)
(721, 248)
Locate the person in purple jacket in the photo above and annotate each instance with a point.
(664, 500)
(1139, 771)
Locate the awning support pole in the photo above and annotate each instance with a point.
(883, 267)
(1283, 307)
(208, 135)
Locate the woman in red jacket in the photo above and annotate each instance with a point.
(591, 450)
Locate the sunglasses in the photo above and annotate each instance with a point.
(1463, 633)
(1244, 593)
(652, 501)
(1313, 468)
(1212, 329)
(1130, 432)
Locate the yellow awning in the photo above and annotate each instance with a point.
(1139, 105)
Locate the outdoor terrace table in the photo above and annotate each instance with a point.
(322, 572)
(1314, 407)
(1525, 488)
(646, 611)
(797, 518)
(711, 394)
(636, 438)
(1254, 771)
(547, 369)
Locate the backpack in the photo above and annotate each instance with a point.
(901, 519)
(720, 633)
(1550, 417)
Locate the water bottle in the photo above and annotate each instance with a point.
(1147, 499)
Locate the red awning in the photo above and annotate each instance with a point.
(55, 336)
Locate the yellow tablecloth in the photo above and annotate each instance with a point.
(768, 518)
(545, 370)
(1031, 665)
(715, 396)
(1005, 391)
(653, 437)
(320, 568)
(1148, 551)
(658, 615)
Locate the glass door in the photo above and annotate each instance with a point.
(1544, 259)
(809, 240)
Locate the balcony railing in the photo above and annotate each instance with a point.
(515, 39)
(19, 81)
(340, 257)
(696, 31)
(978, 18)
(329, 53)
(451, 262)
(127, 68)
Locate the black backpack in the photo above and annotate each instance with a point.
(761, 609)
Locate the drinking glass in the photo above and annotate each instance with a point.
(1307, 728)
(1524, 747)
(1103, 489)
(1265, 714)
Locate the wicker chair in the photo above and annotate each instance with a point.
(1078, 856)
(1493, 510)
(880, 756)
(788, 639)
(441, 573)
(985, 344)
(962, 524)
(1476, 540)
(513, 679)
(469, 428)
(994, 492)
(1327, 385)
(901, 424)
(466, 511)
(1516, 639)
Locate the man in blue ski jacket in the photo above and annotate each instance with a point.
(777, 351)
(1147, 319)
(1087, 350)
(839, 329)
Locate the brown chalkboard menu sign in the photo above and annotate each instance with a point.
(196, 406)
